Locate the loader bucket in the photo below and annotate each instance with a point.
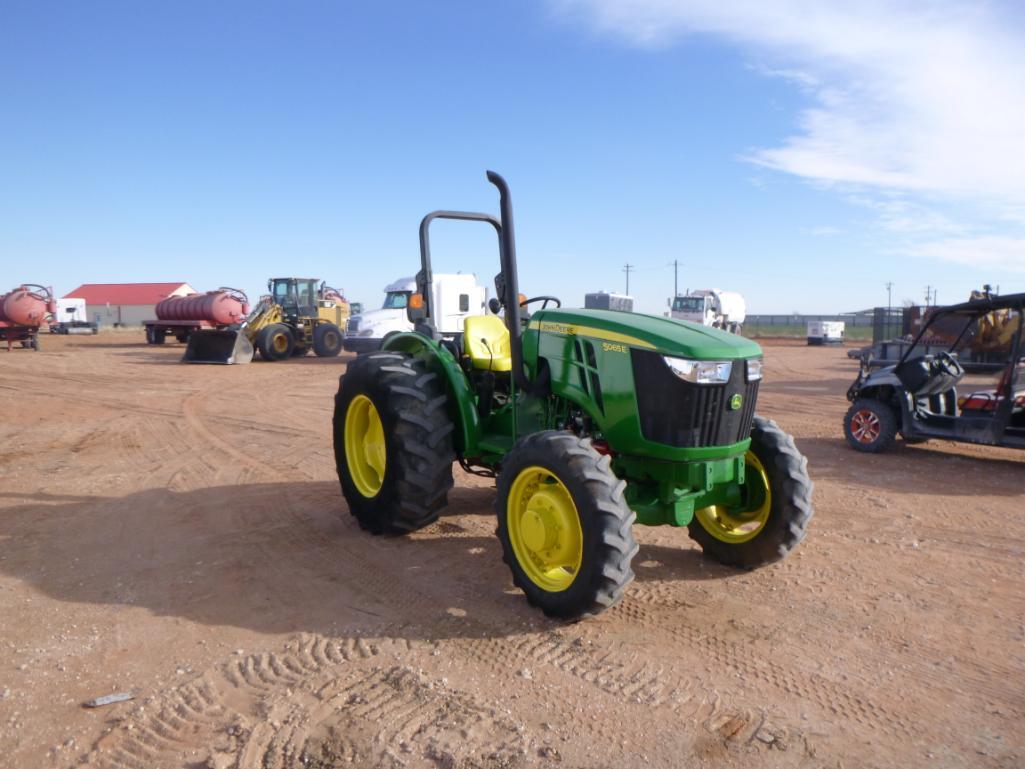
(224, 347)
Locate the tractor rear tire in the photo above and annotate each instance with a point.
(327, 340)
(786, 507)
(564, 525)
(275, 342)
(393, 442)
(870, 425)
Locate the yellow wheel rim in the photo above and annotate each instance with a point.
(736, 526)
(365, 447)
(279, 342)
(544, 529)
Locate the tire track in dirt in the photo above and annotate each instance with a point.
(614, 673)
(643, 682)
(311, 704)
(192, 410)
(267, 679)
(995, 678)
(621, 677)
(830, 697)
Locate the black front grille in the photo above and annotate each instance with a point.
(678, 413)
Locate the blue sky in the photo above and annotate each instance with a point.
(803, 154)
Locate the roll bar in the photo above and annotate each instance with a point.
(506, 282)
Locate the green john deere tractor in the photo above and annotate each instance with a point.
(590, 420)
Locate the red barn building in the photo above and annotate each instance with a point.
(126, 304)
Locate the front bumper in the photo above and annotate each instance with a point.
(361, 344)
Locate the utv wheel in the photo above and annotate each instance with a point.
(327, 340)
(393, 442)
(564, 526)
(275, 342)
(774, 516)
(870, 425)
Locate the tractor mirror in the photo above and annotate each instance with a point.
(494, 305)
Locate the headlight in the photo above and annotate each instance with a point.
(754, 369)
(700, 371)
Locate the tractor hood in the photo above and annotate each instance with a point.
(665, 335)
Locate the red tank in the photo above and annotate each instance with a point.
(218, 308)
(27, 307)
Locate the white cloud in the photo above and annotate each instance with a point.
(911, 95)
(987, 252)
(925, 100)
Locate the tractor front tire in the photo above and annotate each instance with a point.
(327, 340)
(776, 476)
(870, 425)
(564, 525)
(393, 442)
(275, 342)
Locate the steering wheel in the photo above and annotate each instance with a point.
(947, 364)
(545, 299)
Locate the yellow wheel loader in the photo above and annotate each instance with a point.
(296, 317)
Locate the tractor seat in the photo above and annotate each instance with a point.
(486, 342)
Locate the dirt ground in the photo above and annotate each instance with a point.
(177, 532)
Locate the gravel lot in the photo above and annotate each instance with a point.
(177, 532)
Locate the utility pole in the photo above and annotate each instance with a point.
(889, 305)
(626, 269)
(676, 291)
(928, 295)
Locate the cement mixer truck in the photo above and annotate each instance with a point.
(23, 311)
(711, 307)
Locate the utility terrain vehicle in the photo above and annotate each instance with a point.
(972, 391)
(590, 419)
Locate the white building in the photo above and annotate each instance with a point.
(126, 304)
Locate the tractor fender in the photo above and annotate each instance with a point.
(885, 376)
(462, 404)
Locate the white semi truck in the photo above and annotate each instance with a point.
(711, 307)
(72, 317)
(455, 298)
